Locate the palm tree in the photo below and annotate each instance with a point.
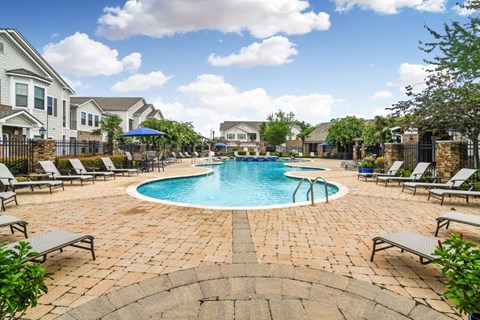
(110, 125)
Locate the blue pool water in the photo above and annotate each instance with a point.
(235, 184)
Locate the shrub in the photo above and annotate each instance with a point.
(380, 163)
(368, 162)
(21, 282)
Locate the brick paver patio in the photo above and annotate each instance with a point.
(139, 243)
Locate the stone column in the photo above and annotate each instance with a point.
(43, 150)
(447, 157)
(392, 153)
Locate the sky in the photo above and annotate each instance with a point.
(209, 61)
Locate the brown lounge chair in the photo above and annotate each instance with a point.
(455, 216)
(14, 223)
(46, 243)
(411, 241)
(9, 181)
(8, 196)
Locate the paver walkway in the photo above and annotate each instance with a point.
(137, 243)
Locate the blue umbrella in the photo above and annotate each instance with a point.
(220, 144)
(325, 144)
(142, 132)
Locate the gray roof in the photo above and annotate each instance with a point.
(142, 109)
(226, 125)
(319, 135)
(109, 103)
(154, 113)
(6, 111)
(28, 73)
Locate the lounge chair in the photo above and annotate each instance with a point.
(349, 164)
(456, 181)
(108, 163)
(417, 173)
(390, 173)
(8, 196)
(455, 216)
(46, 243)
(80, 169)
(441, 193)
(14, 223)
(53, 172)
(411, 241)
(9, 181)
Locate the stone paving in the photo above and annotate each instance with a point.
(146, 251)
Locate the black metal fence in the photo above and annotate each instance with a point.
(467, 152)
(74, 149)
(17, 155)
(413, 153)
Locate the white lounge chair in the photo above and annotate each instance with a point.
(50, 169)
(441, 193)
(392, 171)
(80, 169)
(456, 181)
(14, 223)
(108, 163)
(9, 181)
(455, 216)
(7, 197)
(417, 173)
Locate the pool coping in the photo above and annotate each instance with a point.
(132, 191)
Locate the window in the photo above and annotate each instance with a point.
(83, 118)
(230, 136)
(97, 121)
(52, 106)
(39, 102)
(90, 120)
(55, 107)
(21, 94)
(64, 116)
(252, 136)
(241, 136)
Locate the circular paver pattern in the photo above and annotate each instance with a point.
(252, 291)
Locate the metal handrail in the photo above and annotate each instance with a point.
(311, 188)
(298, 187)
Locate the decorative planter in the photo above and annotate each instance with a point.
(365, 170)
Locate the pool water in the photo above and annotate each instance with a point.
(236, 184)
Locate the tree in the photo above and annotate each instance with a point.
(451, 98)
(110, 125)
(343, 131)
(377, 132)
(278, 127)
(305, 130)
(177, 134)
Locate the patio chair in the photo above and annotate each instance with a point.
(8, 180)
(410, 241)
(455, 216)
(456, 181)
(14, 223)
(390, 173)
(108, 163)
(350, 164)
(154, 160)
(417, 173)
(80, 169)
(49, 242)
(50, 169)
(6, 197)
(441, 193)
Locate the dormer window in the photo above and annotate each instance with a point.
(21, 95)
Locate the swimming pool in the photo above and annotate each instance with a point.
(235, 184)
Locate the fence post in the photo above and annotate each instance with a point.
(447, 156)
(43, 150)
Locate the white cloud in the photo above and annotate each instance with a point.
(140, 82)
(76, 85)
(391, 6)
(380, 95)
(412, 75)
(132, 62)
(81, 56)
(261, 18)
(461, 10)
(273, 51)
(217, 97)
(380, 112)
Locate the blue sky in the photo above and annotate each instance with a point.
(207, 61)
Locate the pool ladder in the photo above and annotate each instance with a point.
(311, 188)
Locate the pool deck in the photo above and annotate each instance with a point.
(306, 262)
